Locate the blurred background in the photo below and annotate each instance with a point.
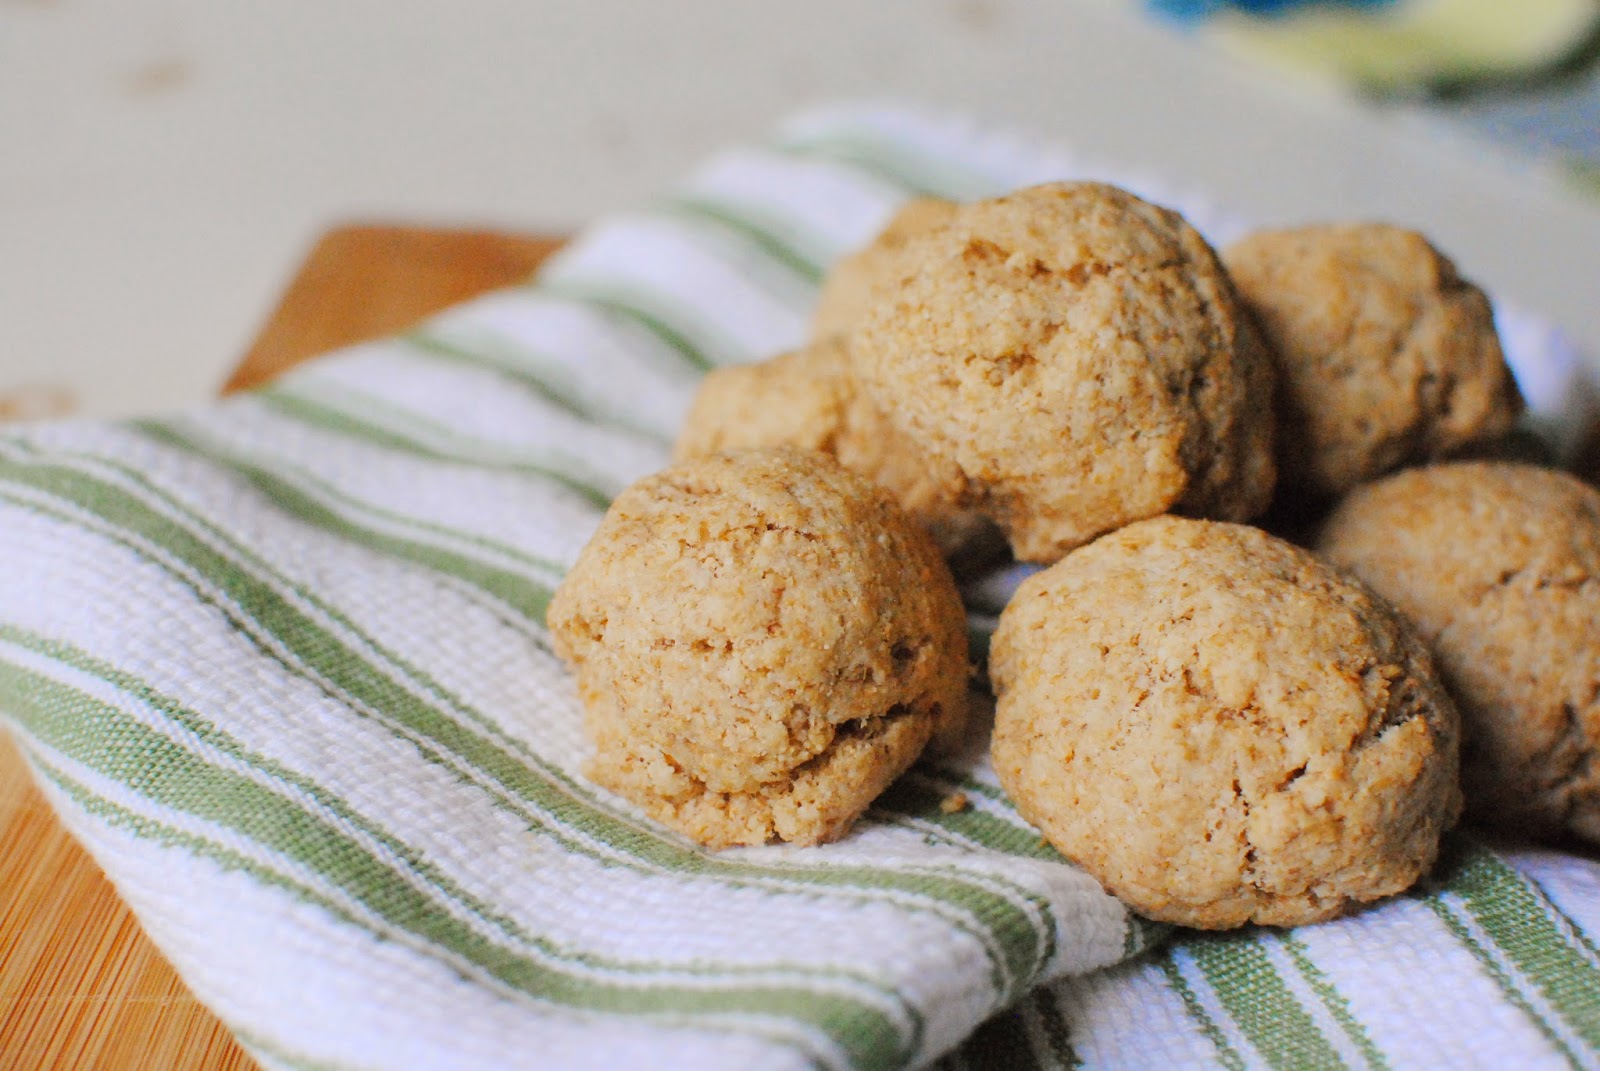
(165, 166)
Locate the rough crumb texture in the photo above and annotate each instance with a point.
(1220, 728)
(847, 292)
(1499, 566)
(1079, 356)
(1385, 355)
(762, 642)
(809, 399)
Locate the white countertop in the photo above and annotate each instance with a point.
(165, 166)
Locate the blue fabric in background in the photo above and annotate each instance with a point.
(1193, 10)
(1547, 112)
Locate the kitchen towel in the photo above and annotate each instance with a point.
(280, 664)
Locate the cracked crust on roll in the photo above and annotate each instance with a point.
(1221, 729)
(1385, 355)
(1499, 566)
(1079, 356)
(809, 399)
(762, 642)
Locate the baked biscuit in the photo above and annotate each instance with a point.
(1220, 728)
(762, 643)
(1499, 566)
(1079, 357)
(809, 399)
(1385, 355)
(847, 292)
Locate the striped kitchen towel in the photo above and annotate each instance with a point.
(281, 665)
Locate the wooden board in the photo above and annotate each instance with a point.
(80, 984)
